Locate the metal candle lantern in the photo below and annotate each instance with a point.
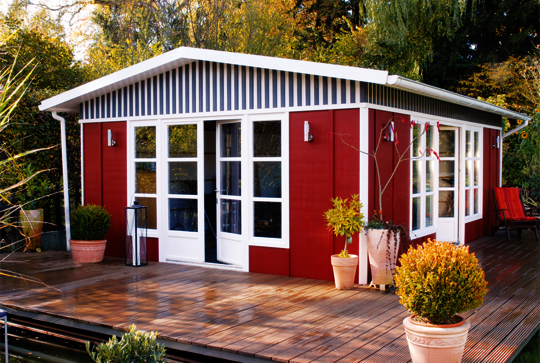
(136, 234)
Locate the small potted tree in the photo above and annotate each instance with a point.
(345, 219)
(89, 225)
(435, 282)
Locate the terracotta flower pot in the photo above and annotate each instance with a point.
(382, 258)
(87, 251)
(32, 226)
(344, 271)
(436, 343)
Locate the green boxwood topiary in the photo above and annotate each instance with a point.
(438, 280)
(90, 223)
(135, 347)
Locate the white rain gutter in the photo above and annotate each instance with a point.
(516, 129)
(421, 88)
(64, 176)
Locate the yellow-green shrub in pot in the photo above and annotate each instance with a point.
(345, 219)
(435, 282)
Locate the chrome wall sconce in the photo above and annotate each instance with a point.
(307, 136)
(390, 135)
(110, 140)
(496, 145)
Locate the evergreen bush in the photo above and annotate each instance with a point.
(135, 347)
(438, 280)
(90, 223)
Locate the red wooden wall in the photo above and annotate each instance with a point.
(318, 171)
(491, 172)
(105, 181)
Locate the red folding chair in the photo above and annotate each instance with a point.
(511, 213)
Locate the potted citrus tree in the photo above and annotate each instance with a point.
(89, 225)
(435, 282)
(345, 219)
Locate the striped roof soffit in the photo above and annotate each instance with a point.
(69, 101)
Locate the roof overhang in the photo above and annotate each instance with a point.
(439, 93)
(69, 101)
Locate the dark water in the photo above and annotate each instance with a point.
(27, 346)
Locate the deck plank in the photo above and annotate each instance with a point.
(277, 318)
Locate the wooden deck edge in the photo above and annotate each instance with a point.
(102, 329)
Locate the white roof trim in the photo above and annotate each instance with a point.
(69, 101)
(424, 89)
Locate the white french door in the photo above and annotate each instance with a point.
(183, 191)
(229, 192)
(448, 222)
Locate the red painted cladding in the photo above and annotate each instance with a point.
(346, 164)
(114, 169)
(491, 160)
(311, 187)
(92, 163)
(267, 260)
(396, 197)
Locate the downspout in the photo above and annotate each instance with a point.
(64, 176)
(523, 125)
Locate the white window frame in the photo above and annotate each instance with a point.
(434, 193)
(132, 125)
(473, 216)
(247, 150)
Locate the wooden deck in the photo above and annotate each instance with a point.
(272, 317)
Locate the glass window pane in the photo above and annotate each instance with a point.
(447, 143)
(230, 178)
(267, 139)
(476, 144)
(476, 200)
(182, 141)
(430, 138)
(145, 178)
(267, 218)
(467, 202)
(429, 175)
(416, 213)
(417, 180)
(151, 210)
(145, 142)
(476, 171)
(231, 216)
(468, 173)
(183, 178)
(468, 144)
(429, 210)
(183, 215)
(446, 203)
(267, 179)
(446, 174)
(231, 140)
(417, 145)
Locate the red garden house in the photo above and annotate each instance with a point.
(236, 157)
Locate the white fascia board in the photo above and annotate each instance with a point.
(424, 89)
(68, 101)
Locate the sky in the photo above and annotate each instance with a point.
(78, 28)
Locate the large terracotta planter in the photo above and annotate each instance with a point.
(87, 251)
(382, 257)
(32, 226)
(344, 271)
(436, 343)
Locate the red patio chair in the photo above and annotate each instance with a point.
(511, 213)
